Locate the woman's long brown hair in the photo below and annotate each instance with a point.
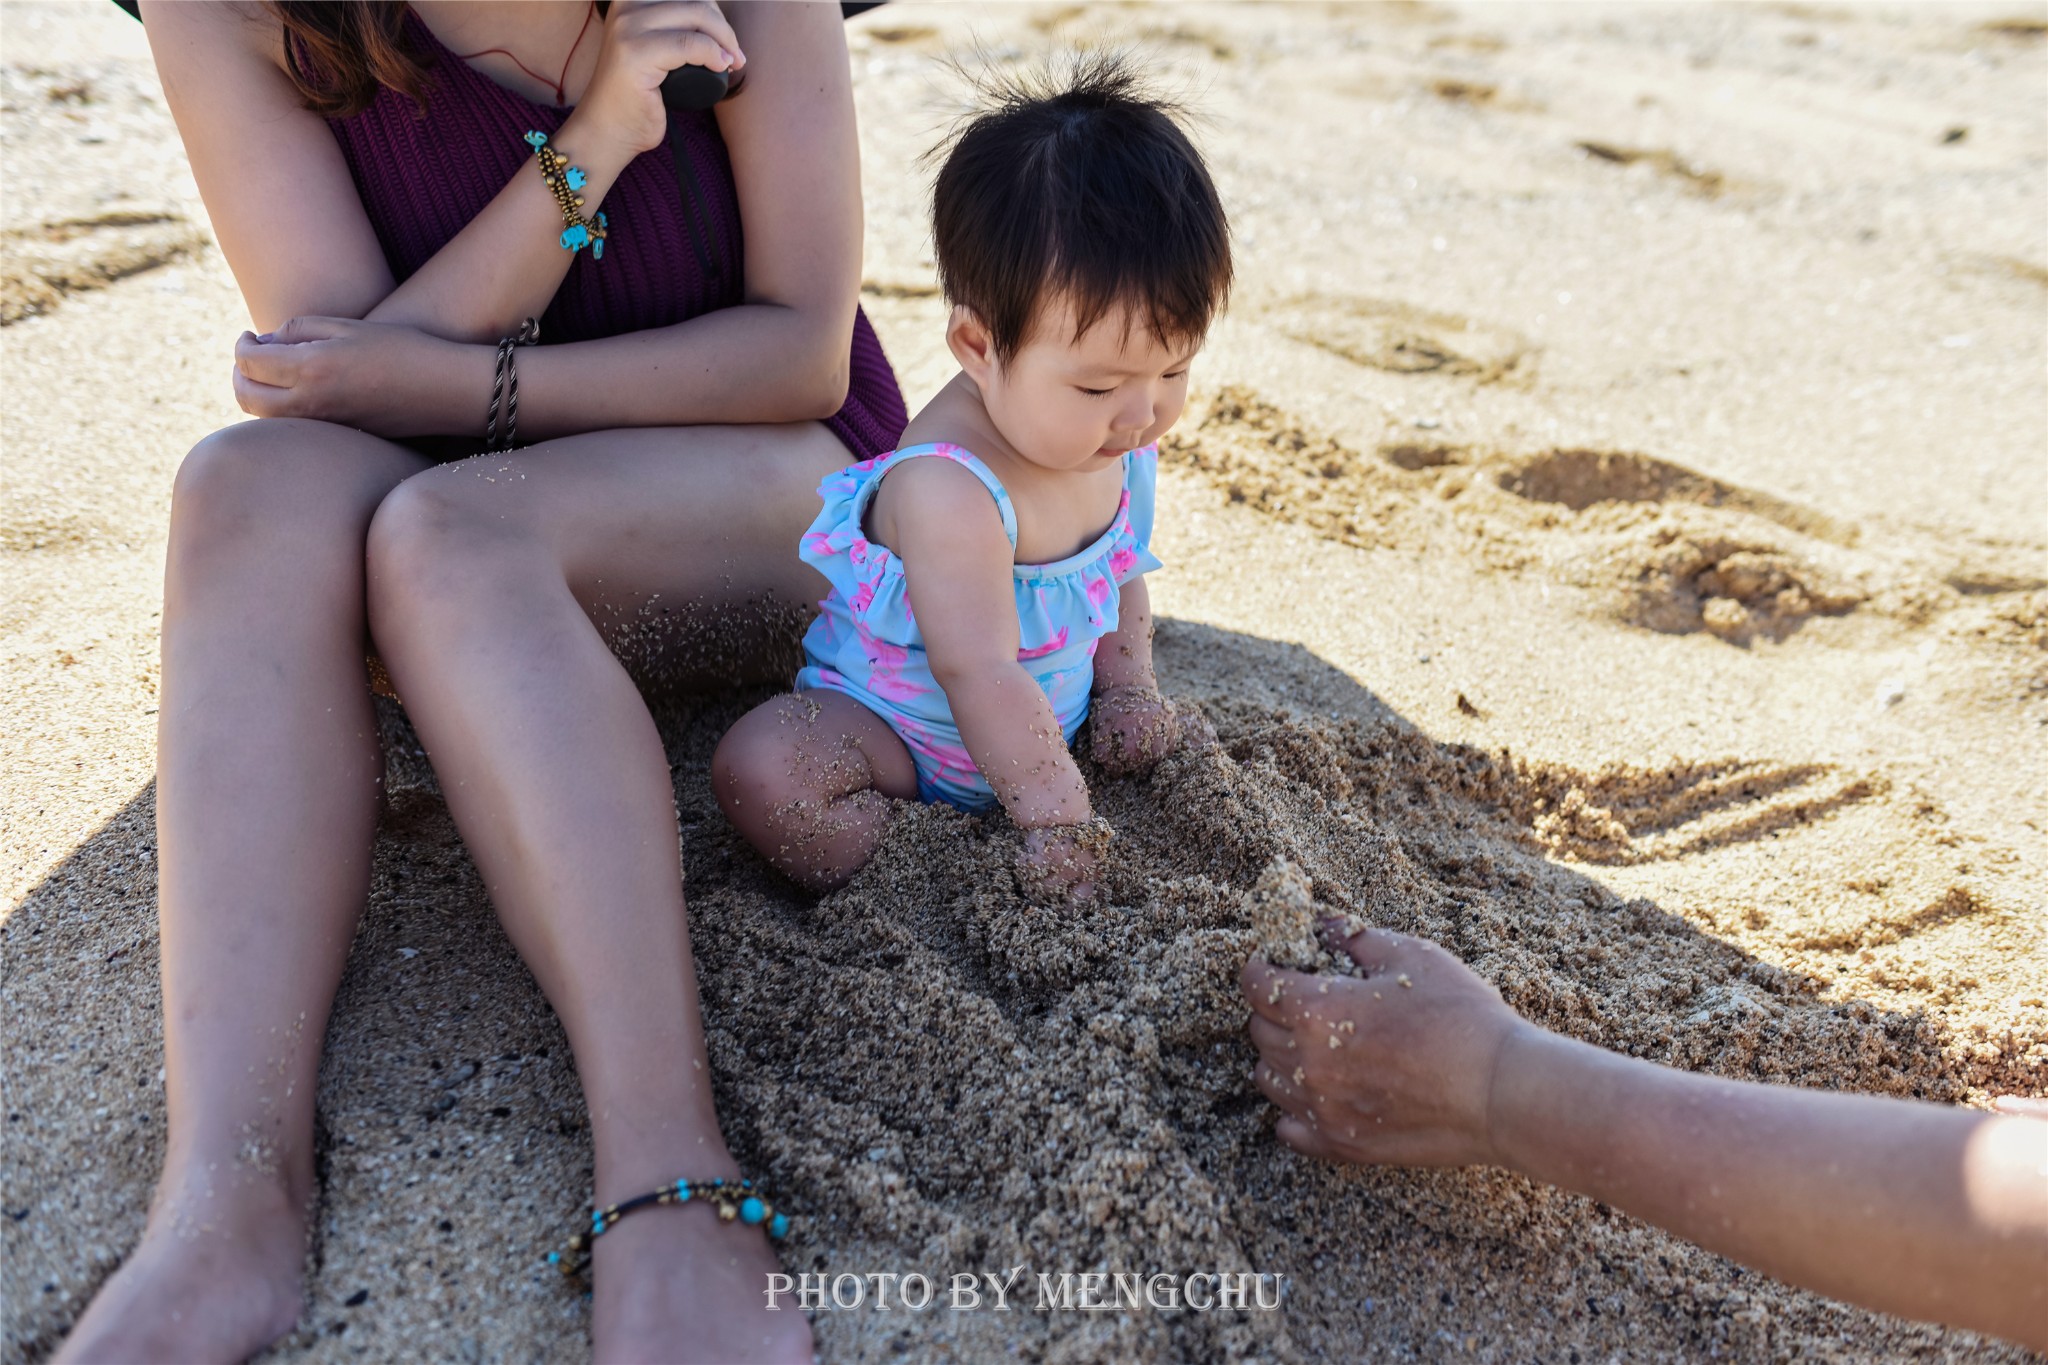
(340, 53)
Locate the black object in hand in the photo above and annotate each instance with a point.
(693, 87)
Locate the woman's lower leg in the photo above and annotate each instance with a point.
(558, 780)
(268, 783)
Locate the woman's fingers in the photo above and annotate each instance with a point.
(1271, 992)
(1374, 949)
(1306, 1138)
(1279, 1089)
(2024, 1106)
(1273, 1041)
(310, 328)
(709, 20)
(263, 400)
(669, 26)
(675, 47)
(288, 357)
(266, 362)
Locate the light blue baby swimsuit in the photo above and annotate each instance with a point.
(866, 644)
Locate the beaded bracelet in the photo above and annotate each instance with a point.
(736, 1200)
(563, 180)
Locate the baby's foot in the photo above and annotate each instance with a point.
(675, 1285)
(211, 1280)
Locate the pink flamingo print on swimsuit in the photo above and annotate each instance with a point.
(1053, 646)
(888, 662)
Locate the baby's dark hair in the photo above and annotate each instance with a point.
(1078, 183)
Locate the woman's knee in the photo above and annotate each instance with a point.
(438, 541)
(291, 487)
(230, 480)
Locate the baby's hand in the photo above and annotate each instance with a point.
(1132, 727)
(1059, 863)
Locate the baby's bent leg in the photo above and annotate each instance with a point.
(807, 779)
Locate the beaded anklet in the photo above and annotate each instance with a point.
(563, 180)
(736, 1200)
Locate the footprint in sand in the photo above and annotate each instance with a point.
(1708, 555)
(47, 263)
(1627, 815)
(1655, 544)
(1863, 930)
(1386, 334)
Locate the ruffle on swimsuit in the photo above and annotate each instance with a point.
(866, 642)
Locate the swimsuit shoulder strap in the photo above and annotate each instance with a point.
(1141, 482)
(961, 456)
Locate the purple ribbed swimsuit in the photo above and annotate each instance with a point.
(423, 179)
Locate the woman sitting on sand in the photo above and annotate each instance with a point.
(397, 188)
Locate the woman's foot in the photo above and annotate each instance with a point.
(215, 1278)
(675, 1285)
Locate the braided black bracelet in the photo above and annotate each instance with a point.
(505, 387)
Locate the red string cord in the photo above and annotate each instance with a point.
(561, 91)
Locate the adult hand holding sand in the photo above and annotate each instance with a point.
(397, 187)
(1904, 1207)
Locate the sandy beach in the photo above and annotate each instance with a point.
(1609, 536)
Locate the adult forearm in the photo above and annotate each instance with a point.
(751, 364)
(756, 363)
(507, 263)
(1911, 1209)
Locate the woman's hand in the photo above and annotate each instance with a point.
(644, 40)
(1059, 863)
(1396, 1066)
(380, 377)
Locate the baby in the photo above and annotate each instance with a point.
(987, 577)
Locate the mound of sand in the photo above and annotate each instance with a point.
(939, 1076)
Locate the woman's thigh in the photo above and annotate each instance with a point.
(680, 543)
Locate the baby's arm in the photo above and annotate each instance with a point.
(957, 565)
(1130, 726)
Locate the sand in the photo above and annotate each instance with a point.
(1608, 538)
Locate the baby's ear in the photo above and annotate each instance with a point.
(972, 344)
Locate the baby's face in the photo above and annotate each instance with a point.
(1079, 404)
